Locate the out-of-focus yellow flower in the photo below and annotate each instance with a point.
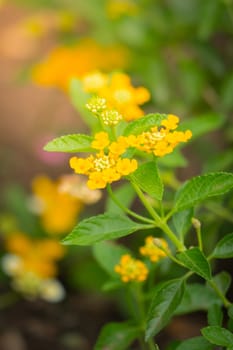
(161, 140)
(118, 8)
(76, 187)
(106, 166)
(152, 249)
(131, 269)
(116, 94)
(32, 287)
(64, 63)
(58, 210)
(32, 264)
(36, 256)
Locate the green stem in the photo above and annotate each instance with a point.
(128, 211)
(137, 295)
(145, 202)
(180, 246)
(158, 220)
(225, 301)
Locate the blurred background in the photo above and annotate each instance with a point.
(182, 52)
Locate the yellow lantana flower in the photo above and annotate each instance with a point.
(120, 96)
(131, 269)
(64, 63)
(58, 210)
(161, 140)
(106, 166)
(152, 249)
(37, 256)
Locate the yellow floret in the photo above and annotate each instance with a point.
(131, 269)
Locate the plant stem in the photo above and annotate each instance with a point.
(128, 211)
(225, 301)
(137, 294)
(157, 219)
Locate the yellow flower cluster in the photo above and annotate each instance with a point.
(116, 95)
(64, 63)
(57, 209)
(32, 265)
(37, 256)
(107, 165)
(152, 249)
(161, 140)
(131, 269)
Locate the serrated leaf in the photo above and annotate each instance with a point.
(195, 261)
(196, 343)
(102, 227)
(215, 315)
(224, 248)
(182, 221)
(148, 179)
(197, 297)
(144, 123)
(125, 194)
(202, 187)
(70, 143)
(116, 336)
(108, 255)
(202, 124)
(218, 335)
(164, 303)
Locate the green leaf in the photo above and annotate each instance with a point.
(202, 187)
(195, 261)
(79, 99)
(202, 124)
(223, 281)
(173, 160)
(144, 123)
(148, 179)
(108, 255)
(164, 303)
(182, 221)
(111, 284)
(70, 143)
(197, 297)
(196, 343)
(116, 336)
(215, 315)
(125, 194)
(224, 248)
(102, 227)
(218, 335)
